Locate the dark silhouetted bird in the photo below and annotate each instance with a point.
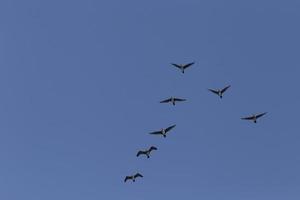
(220, 92)
(172, 100)
(182, 67)
(133, 177)
(146, 152)
(163, 131)
(254, 117)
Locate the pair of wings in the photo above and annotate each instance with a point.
(160, 132)
(183, 66)
(131, 177)
(217, 91)
(254, 116)
(145, 152)
(170, 99)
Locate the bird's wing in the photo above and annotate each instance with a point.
(188, 65)
(260, 115)
(178, 99)
(248, 118)
(170, 127)
(139, 153)
(165, 101)
(155, 133)
(126, 178)
(152, 148)
(214, 91)
(224, 89)
(138, 175)
(176, 65)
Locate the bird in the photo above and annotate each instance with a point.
(133, 177)
(172, 100)
(182, 67)
(220, 92)
(146, 152)
(254, 117)
(163, 131)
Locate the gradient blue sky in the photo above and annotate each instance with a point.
(80, 83)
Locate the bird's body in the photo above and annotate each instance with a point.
(219, 92)
(182, 67)
(173, 100)
(163, 131)
(254, 117)
(133, 177)
(146, 152)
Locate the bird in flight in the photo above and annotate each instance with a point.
(172, 100)
(254, 117)
(133, 177)
(146, 152)
(163, 131)
(219, 92)
(182, 67)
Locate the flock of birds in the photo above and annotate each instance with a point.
(163, 132)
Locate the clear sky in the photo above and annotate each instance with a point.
(80, 83)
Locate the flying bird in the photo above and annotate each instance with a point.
(146, 152)
(163, 131)
(133, 177)
(219, 92)
(172, 100)
(254, 117)
(182, 67)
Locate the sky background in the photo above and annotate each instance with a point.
(80, 83)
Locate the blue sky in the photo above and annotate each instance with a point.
(80, 83)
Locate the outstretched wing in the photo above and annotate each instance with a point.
(260, 115)
(170, 127)
(138, 175)
(214, 91)
(152, 148)
(224, 89)
(248, 118)
(139, 153)
(176, 65)
(178, 99)
(166, 100)
(127, 178)
(188, 65)
(155, 133)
